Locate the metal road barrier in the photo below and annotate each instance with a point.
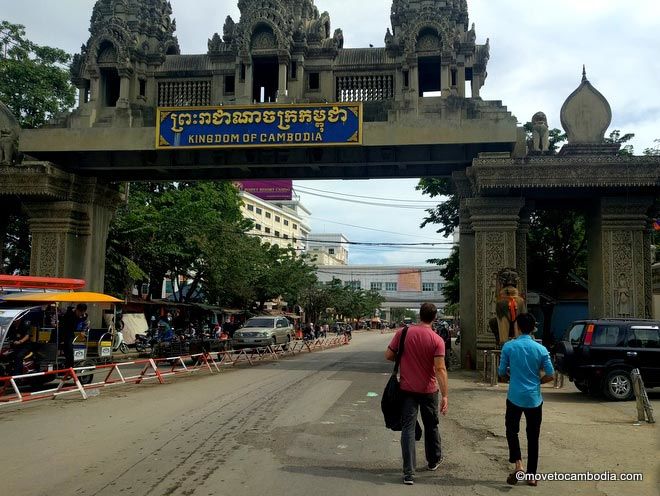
(153, 369)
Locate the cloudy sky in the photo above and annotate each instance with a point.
(537, 52)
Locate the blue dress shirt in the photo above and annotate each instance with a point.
(525, 358)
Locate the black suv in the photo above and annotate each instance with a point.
(598, 355)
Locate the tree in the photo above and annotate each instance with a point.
(34, 79)
(34, 84)
(450, 271)
(616, 138)
(653, 151)
(555, 137)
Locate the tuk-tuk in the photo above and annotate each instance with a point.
(91, 347)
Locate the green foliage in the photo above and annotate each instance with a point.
(446, 214)
(557, 248)
(14, 241)
(397, 315)
(34, 79)
(450, 271)
(653, 151)
(335, 300)
(615, 137)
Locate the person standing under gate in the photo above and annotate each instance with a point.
(423, 372)
(523, 358)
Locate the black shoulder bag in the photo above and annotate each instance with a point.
(391, 402)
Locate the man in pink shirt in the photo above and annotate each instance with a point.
(422, 373)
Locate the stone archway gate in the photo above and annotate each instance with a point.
(418, 110)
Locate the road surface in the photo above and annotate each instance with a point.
(308, 425)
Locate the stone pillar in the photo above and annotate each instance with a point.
(460, 80)
(468, 277)
(282, 80)
(521, 249)
(476, 85)
(495, 222)
(445, 80)
(248, 83)
(620, 264)
(413, 81)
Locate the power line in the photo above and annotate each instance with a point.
(371, 228)
(365, 197)
(405, 207)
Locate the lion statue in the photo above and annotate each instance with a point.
(540, 133)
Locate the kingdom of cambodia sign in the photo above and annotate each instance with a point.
(259, 126)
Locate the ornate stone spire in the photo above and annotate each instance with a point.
(127, 32)
(586, 114)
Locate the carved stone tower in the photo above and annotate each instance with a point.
(129, 39)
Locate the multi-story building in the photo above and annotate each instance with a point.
(329, 249)
(281, 223)
(402, 287)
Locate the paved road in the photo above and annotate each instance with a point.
(300, 426)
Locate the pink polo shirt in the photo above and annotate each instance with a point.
(417, 367)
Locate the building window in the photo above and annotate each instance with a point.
(294, 69)
(286, 222)
(230, 85)
(331, 251)
(314, 81)
(143, 87)
(390, 286)
(428, 286)
(355, 284)
(268, 215)
(286, 236)
(277, 234)
(278, 219)
(258, 211)
(250, 208)
(295, 227)
(376, 286)
(406, 79)
(257, 227)
(243, 71)
(267, 230)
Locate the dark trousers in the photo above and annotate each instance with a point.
(533, 418)
(427, 405)
(67, 349)
(19, 355)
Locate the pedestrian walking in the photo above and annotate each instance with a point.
(422, 373)
(522, 359)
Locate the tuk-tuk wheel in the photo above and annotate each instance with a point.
(86, 378)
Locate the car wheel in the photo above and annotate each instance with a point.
(618, 386)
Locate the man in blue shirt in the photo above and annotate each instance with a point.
(524, 358)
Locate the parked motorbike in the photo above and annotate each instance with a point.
(145, 341)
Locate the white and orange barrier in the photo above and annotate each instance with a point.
(151, 369)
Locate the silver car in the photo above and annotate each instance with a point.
(263, 331)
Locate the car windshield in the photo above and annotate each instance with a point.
(260, 323)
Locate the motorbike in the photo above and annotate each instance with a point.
(145, 341)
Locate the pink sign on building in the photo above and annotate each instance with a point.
(269, 190)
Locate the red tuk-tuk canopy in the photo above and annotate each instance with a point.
(29, 282)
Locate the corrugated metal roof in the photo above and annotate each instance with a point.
(359, 57)
(175, 63)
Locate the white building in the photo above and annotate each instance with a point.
(281, 223)
(402, 287)
(329, 249)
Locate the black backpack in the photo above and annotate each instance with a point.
(391, 402)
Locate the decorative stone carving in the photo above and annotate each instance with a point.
(229, 30)
(586, 114)
(540, 133)
(9, 135)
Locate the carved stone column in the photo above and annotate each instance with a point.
(282, 79)
(460, 80)
(620, 269)
(248, 83)
(495, 222)
(476, 85)
(467, 289)
(521, 249)
(445, 80)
